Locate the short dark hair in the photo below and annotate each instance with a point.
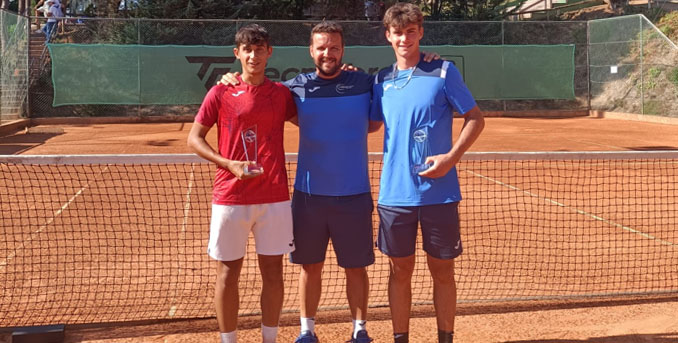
(327, 27)
(252, 34)
(401, 15)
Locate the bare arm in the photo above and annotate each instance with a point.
(197, 142)
(474, 123)
(374, 126)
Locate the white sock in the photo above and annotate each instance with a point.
(358, 325)
(307, 324)
(229, 337)
(269, 333)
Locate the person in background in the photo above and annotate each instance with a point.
(41, 8)
(371, 10)
(54, 14)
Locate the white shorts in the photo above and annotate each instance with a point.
(230, 227)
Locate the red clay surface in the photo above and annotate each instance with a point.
(501, 134)
(640, 321)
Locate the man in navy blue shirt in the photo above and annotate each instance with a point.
(332, 196)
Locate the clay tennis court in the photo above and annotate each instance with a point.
(631, 318)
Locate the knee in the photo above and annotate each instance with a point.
(402, 271)
(227, 278)
(443, 277)
(273, 275)
(442, 273)
(312, 270)
(272, 271)
(356, 273)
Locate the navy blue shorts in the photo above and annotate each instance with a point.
(439, 230)
(347, 220)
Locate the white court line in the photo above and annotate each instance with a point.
(582, 212)
(187, 205)
(187, 208)
(34, 234)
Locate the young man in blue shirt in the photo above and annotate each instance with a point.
(419, 185)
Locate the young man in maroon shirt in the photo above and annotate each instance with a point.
(248, 195)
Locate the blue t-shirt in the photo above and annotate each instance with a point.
(416, 107)
(333, 122)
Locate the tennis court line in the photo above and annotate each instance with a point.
(12, 255)
(182, 235)
(576, 210)
(187, 205)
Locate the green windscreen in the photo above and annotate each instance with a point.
(174, 75)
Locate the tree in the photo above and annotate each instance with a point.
(275, 9)
(210, 9)
(470, 9)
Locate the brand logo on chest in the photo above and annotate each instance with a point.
(342, 88)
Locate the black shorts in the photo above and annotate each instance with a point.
(347, 220)
(439, 230)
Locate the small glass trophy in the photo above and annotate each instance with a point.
(421, 149)
(249, 144)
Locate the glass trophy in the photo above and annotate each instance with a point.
(249, 144)
(421, 149)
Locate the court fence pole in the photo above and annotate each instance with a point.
(642, 84)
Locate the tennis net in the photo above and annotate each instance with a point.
(111, 238)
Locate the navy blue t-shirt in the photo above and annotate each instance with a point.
(333, 123)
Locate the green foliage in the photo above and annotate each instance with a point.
(216, 9)
(673, 76)
(470, 10)
(668, 25)
(650, 84)
(13, 6)
(654, 72)
(275, 9)
(183, 9)
(652, 107)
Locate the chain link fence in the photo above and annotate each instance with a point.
(622, 64)
(296, 33)
(634, 67)
(13, 65)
